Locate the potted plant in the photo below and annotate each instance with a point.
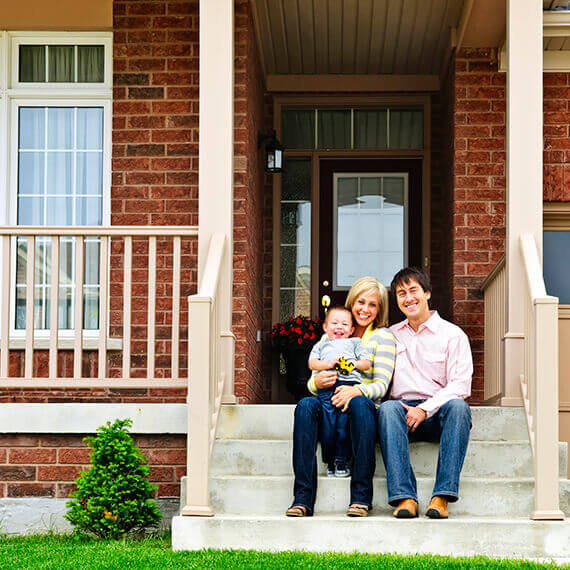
(294, 339)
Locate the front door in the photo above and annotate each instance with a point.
(369, 223)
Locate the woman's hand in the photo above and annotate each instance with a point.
(325, 379)
(342, 396)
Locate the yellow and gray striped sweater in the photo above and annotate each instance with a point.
(375, 380)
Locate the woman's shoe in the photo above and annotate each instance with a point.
(297, 511)
(357, 511)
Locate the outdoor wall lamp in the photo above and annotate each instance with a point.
(273, 152)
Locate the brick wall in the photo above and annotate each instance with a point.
(478, 192)
(556, 137)
(48, 465)
(251, 384)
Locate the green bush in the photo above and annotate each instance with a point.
(114, 496)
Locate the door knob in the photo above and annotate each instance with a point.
(325, 283)
(326, 302)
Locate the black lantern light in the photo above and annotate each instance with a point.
(273, 152)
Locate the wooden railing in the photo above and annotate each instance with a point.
(539, 383)
(495, 292)
(210, 359)
(146, 258)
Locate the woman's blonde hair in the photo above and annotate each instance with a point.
(363, 285)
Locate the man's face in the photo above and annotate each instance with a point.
(413, 300)
(338, 324)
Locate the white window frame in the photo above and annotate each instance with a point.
(15, 94)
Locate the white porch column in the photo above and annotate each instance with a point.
(216, 148)
(524, 170)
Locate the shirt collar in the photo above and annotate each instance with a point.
(432, 323)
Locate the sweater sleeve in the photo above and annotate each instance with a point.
(382, 348)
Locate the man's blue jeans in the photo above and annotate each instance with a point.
(362, 426)
(450, 426)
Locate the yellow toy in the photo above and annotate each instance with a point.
(344, 367)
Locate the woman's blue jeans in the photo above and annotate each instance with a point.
(450, 426)
(362, 426)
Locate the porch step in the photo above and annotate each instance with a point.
(271, 495)
(276, 422)
(251, 485)
(499, 537)
(484, 458)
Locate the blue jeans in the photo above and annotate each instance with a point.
(450, 426)
(362, 423)
(334, 434)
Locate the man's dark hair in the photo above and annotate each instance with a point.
(404, 276)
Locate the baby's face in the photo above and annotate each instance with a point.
(338, 324)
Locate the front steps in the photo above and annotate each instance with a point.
(251, 485)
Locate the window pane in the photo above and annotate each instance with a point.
(90, 128)
(59, 212)
(295, 238)
(298, 128)
(90, 64)
(31, 211)
(31, 173)
(88, 212)
(406, 129)
(60, 127)
(371, 129)
(32, 128)
(32, 64)
(334, 129)
(59, 173)
(61, 68)
(89, 173)
(556, 266)
(91, 308)
(91, 273)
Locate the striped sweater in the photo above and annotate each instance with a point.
(376, 380)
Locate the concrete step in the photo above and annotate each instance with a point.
(271, 495)
(484, 458)
(276, 422)
(457, 536)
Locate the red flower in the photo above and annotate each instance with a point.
(299, 341)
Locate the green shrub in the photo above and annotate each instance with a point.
(114, 496)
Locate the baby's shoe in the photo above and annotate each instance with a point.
(341, 469)
(330, 470)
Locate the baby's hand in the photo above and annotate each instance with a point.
(332, 363)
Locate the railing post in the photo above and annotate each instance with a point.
(546, 494)
(199, 372)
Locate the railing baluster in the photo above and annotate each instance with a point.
(54, 307)
(78, 344)
(151, 305)
(175, 350)
(6, 287)
(30, 302)
(103, 280)
(127, 287)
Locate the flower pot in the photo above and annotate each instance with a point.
(297, 368)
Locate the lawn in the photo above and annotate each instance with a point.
(59, 552)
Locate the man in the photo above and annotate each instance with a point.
(431, 380)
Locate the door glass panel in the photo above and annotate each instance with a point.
(406, 128)
(370, 219)
(371, 129)
(295, 239)
(298, 128)
(556, 266)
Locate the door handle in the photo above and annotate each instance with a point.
(326, 302)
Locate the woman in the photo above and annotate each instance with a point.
(368, 302)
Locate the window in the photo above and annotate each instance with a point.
(56, 93)
(556, 244)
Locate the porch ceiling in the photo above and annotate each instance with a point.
(355, 36)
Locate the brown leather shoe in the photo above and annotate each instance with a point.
(407, 509)
(437, 508)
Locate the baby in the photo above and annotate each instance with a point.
(337, 351)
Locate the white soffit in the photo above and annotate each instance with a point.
(355, 36)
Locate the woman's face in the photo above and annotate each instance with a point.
(365, 308)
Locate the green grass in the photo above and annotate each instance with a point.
(59, 552)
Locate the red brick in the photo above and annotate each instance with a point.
(74, 455)
(59, 472)
(17, 473)
(30, 490)
(32, 456)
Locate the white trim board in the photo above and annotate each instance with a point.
(76, 418)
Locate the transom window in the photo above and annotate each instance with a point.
(377, 129)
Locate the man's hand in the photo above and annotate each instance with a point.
(325, 379)
(414, 416)
(342, 396)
